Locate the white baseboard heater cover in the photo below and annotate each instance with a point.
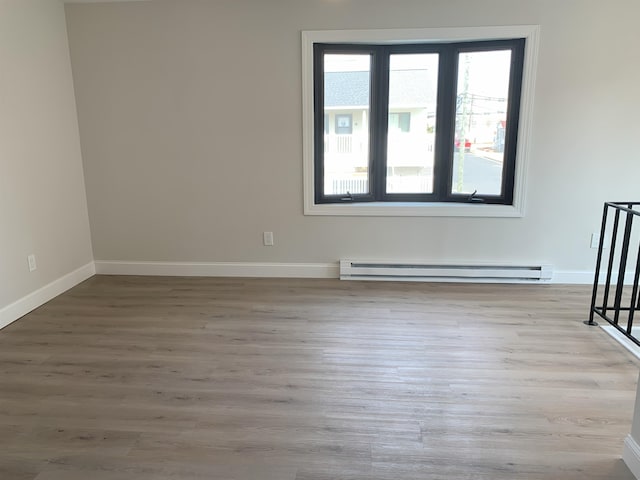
(429, 272)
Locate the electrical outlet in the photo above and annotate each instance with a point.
(32, 262)
(267, 239)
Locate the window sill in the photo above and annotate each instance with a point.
(380, 209)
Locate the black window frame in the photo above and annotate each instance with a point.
(445, 120)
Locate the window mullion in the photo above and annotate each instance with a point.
(379, 122)
(443, 162)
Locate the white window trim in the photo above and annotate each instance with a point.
(398, 36)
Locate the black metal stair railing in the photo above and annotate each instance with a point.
(620, 238)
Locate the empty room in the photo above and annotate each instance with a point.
(319, 239)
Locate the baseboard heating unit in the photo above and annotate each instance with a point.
(430, 272)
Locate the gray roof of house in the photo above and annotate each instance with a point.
(414, 88)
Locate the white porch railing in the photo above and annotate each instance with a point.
(354, 186)
(345, 144)
(395, 184)
(403, 149)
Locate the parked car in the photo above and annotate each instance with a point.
(467, 143)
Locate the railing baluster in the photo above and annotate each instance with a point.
(634, 294)
(594, 295)
(614, 238)
(622, 269)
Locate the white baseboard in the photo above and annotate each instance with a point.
(219, 269)
(573, 278)
(19, 308)
(586, 278)
(631, 455)
(257, 269)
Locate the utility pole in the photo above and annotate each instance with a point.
(462, 124)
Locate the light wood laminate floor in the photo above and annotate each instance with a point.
(151, 378)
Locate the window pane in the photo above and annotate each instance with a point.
(481, 115)
(347, 82)
(413, 86)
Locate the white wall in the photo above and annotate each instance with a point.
(173, 173)
(43, 207)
